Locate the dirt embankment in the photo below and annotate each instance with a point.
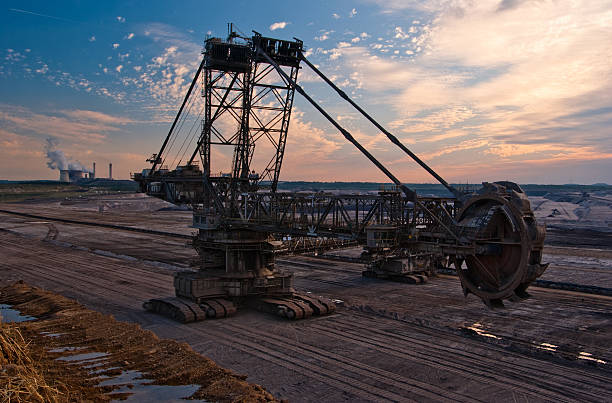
(64, 329)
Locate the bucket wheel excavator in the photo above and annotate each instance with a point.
(225, 149)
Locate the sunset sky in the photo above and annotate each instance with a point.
(482, 90)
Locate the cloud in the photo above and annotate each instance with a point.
(508, 4)
(539, 88)
(80, 115)
(77, 125)
(278, 25)
(309, 149)
(400, 34)
(43, 69)
(324, 35)
(28, 66)
(13, 56)
(121, 19)
(23, 156)
(164, 80)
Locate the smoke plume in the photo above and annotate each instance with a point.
(56, 159)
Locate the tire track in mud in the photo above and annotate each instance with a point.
(397, 381)
(367, 326)
(459, 367)
(80, 260)
(53, 271)
(333, 378)
(550, 376)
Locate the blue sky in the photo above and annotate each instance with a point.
(488, 90)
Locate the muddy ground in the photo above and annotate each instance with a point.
(387, 342)
(89, 356)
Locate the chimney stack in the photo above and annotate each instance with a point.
(110, 170)
(64, 176)
(92, 175)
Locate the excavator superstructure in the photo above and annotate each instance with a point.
(247, 90)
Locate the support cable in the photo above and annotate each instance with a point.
(410, 194)
(189, 138)
(161, 150)
(176, 134)
(457, 193)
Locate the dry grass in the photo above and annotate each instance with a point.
(21, 378)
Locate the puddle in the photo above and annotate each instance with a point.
(546, 346)
(10, 315)
(589, 357)
(95, 363)
(583, 355)
(160, 393)
(129, 376)
(98, 371)
(49, 334)
(477, 327)
(82, 357)
(62, 349)
(143, 392)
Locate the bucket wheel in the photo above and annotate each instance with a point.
(507, 242)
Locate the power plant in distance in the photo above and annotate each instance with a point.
(75, 175)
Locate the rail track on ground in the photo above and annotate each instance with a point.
(98, 224)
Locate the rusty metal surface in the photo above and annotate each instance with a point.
(492, 231)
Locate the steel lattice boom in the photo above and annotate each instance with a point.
(248, 86)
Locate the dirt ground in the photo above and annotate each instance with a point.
(79, 350)
(387, 341)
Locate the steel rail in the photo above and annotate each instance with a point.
(98, 224)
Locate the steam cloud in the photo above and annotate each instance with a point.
(56, 159)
